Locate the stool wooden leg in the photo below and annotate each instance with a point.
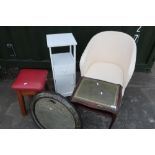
(21, 103)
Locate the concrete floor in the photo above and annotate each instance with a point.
(137, 110)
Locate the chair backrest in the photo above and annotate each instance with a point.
(111, 47)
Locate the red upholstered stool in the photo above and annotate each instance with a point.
(28, 83)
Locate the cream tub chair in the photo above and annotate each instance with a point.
(110, 56)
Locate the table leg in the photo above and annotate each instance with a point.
(113, 120)
(21, 103)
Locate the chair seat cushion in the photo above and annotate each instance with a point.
(30, 79)
(106, 72)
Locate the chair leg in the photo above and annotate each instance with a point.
(21, 103)
(113, 120)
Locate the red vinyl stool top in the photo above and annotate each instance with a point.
(30, 79)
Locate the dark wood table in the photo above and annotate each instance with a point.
(99, 95)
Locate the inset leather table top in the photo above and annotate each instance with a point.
(97, 94)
